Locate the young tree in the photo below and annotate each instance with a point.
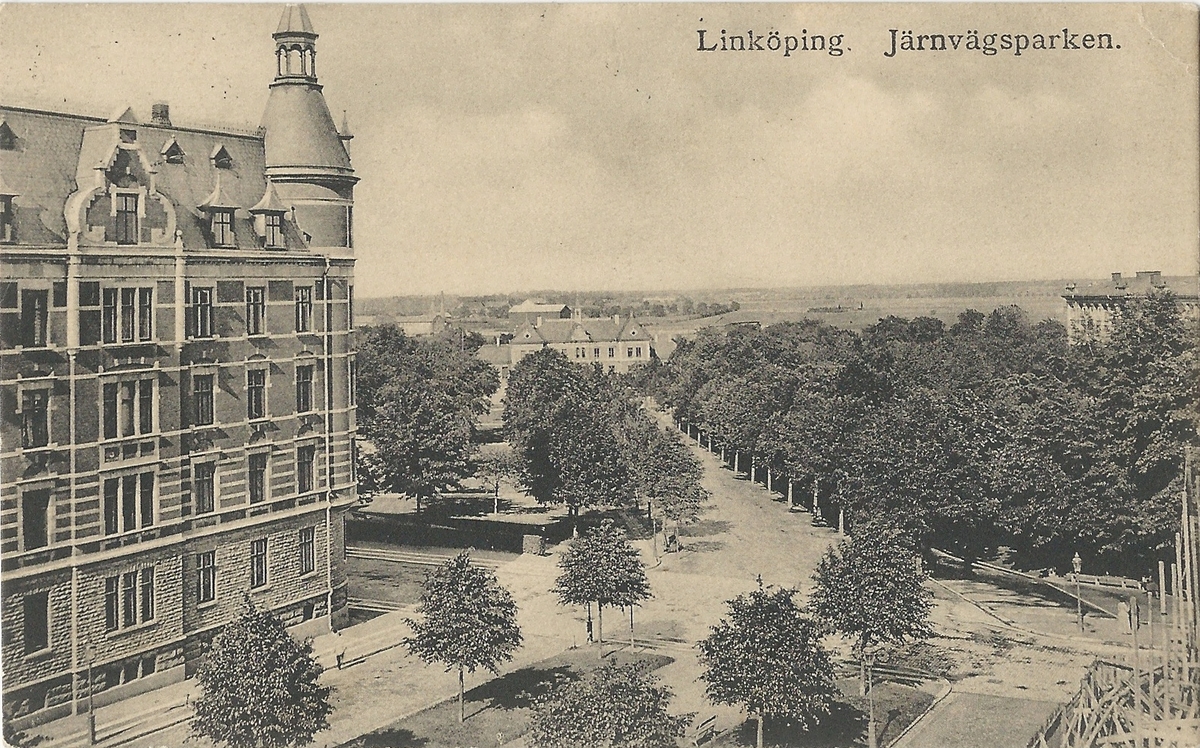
(766, 656)
(869, 589)
(492, 467)
(260, 686)
(469, 621)
(600, 566)
(615, 706)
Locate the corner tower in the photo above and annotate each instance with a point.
(306, 159)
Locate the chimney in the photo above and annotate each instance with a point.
(617, 320)
(539, 321)
(160, 114)
(1116, 277)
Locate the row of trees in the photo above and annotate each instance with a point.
(419, 401)
(582, 439)
(991, 430)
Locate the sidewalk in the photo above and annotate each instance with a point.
(378, 684)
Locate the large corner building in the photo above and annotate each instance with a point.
(177, 384)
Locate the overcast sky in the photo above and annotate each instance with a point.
(587, 147)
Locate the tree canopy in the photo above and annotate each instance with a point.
(614, 706)
(990, 431)
(766, 656)
(418, 403)
(468, 620)
(259, 686)
(600, 566)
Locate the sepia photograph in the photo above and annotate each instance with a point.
(612, 375)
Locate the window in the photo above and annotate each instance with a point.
(202, 312)
(37, 621)
(612, 352)
(637, 352)
(349, 307)
(274, 230)
(308, 555)
(7, 235)
(257, 477)
(129, 314)
(255, 310)
(35, 422)
(129, 608)
(202, 399)
(629, 352)
(127, 219)
(352, 382)
(129, 599)
(35, 518)
(256, 393)
(306, 458)
(206, 576)
(145, 314)
(146, 499)
(304, 388)
(128, 408)
(353, 459)
(128, 502)
(33, 318)
(147, 590)
(595, 353)
(258, 563)
(8, 138)
(112, 603)
(222, 228)
(350, 227)
(204, 486)
(303, 308)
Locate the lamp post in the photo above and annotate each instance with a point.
(1077, 564)
(91, 655)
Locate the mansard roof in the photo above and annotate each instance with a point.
(58, 149)
(591, 330)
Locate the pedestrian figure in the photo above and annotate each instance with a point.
(340, 648)
(1123, 616)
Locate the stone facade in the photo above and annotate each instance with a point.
(176, 385)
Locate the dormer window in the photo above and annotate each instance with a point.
(172, 153)
(128, 136)
(7, 235)
(221, 158)
(222, 228)
(127, 218)
(273, 229)
(8, 138)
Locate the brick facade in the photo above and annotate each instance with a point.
(154, 396)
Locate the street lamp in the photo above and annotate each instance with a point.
(1077, 564)
(91, 655)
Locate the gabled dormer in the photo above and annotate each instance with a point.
(269, 217)
(172, 152)
(220, 157)
(8, 138)
(219, 210)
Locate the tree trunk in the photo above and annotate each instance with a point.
(599, 623)
(791, 506)
(461, 690)
(768, 477)
(759, 740)
(590, 638)
(862, 674)
(871, 741)
(735, 461)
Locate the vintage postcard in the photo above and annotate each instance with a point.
(628, 374)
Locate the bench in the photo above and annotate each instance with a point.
(705, 730)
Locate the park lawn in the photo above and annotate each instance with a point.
(497, 711)
(896, 706)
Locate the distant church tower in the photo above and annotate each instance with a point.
(306, 157)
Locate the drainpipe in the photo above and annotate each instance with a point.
(326, 350)
(73, 263)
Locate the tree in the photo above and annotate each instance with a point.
(469, 621)
(869, 588)
(260, 686)
(601, 567)
(766, 656)
(615, 706)
(492, 467)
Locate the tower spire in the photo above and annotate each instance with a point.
(295, 46)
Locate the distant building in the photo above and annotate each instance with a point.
(1091, 310)
(613, 343)
(423, 324)
(178, 418)
(534, 312)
